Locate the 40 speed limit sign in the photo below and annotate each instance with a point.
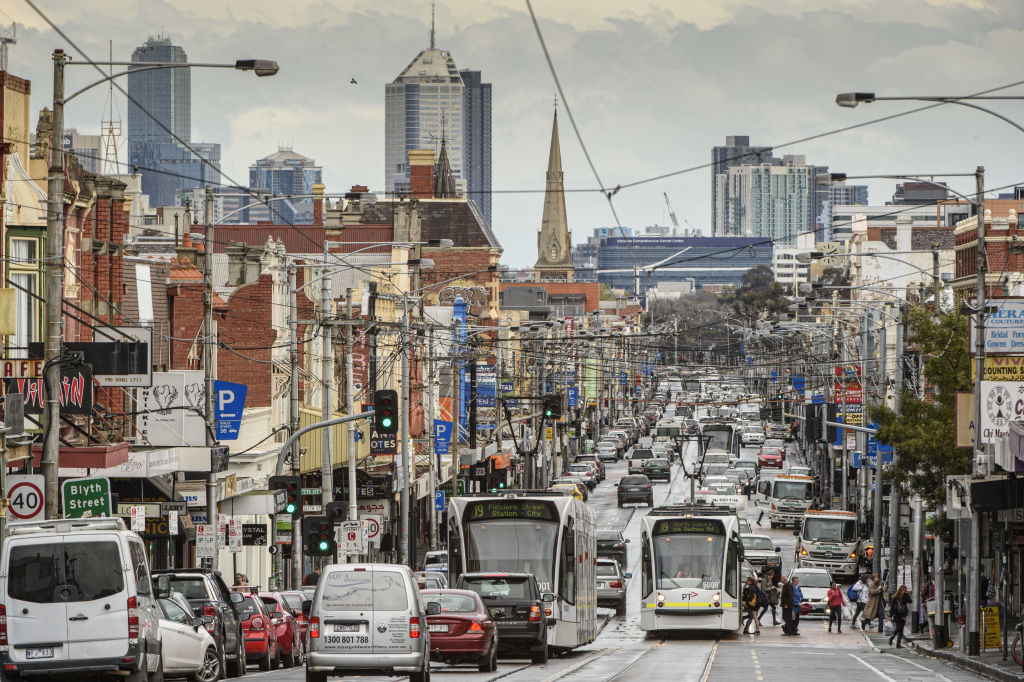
(25, 497)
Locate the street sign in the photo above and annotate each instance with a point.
(86, 497)
(775, 376)
(549, 433)
(508, 388)
(206, 541)
(438, 500)
(350, 537)
(254, 534)
(572, 396)
(138, 514)
(442, 436)
(623, 378)
(312, 491)
(25, 496)
(312, 508)
(235, 535)
(172, 522)
(227, 408)
(386, 444)
(371, 527)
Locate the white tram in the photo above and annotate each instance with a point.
(551, 536)
(691, 569)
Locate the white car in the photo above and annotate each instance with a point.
(607, 451)
(187, 648)
(752, 436)
(814, 583)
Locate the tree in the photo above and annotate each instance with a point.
(759, 295)
(923, 433)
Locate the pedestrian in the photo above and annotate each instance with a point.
(770, 588)
(899, 607)
(835, 606)
(750, 606)
(927, 594)
(875, 606)
(860, 589)
(241, 579)
(786, 602)
(983, 586)
(798, 598)
(311, 580)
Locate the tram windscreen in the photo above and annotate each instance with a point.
(689, 553)
(718, 439)
(513, 536)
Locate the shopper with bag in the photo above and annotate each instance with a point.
(835, 606)
(858, 593)
(750, 603)
(899, 607)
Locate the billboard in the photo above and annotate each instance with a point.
(1002, 402)
(1004, 327)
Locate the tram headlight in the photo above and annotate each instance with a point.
(716, 597)
(661, 599)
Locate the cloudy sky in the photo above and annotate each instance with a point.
(653, 87)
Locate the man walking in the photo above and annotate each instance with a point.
(798, 597)
(786, 602)
(769, 587)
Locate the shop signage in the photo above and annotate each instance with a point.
(1001, 368)
(1001, 403)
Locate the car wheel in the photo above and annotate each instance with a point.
(289, 658)
(139, 675)
(312, 676)
(490, 663)
(235, 668)
(210, 672)
(423, 675)
(301, 656)
(265, 661)
(539, 655)
(620, 608)
(275, 663)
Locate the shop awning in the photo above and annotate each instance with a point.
(96, 457)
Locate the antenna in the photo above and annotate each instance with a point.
(6, 40)
(111, 129)
(431, 25)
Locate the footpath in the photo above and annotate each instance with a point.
(989, 663)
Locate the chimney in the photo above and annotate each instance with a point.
(904, 225)
(318, 204)
(421, 173)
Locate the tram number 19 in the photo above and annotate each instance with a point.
(346, 639)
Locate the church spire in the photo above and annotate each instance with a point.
(444, 181)
(554, 243)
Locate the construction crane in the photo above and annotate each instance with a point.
(672, 215)
(5, 40)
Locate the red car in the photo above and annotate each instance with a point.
(294, 600)
(290, 640)
(769, 456)
(463, 631)
(258, 629)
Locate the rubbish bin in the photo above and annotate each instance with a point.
(940, 621)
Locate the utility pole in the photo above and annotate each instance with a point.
(876, 515)
(327, 394)
(428, 407)
(453, 445)
(936, 282)
(405, 533)
(209, 355)
(973, 558)
(894, 491)
(54, 288)
(350, 402)
(498, 377)
(844, 469)
(293, 416)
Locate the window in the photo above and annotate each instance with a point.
(92, 570)
(34, 573)
(142, 582)
(362, 590)
(175, 613)
(731, 573)
(567, 584)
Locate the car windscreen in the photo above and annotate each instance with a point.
(452, 603)
(756, 543)
(376, 590)
(774, 443)
(68, 572)
(634, 480)
(642, 453)
(689, 560)
(248, 607)
(521, 545)
(191, 587)
(294, 602)
(608, 535)
(606, 569)
(792, 490)
(657, 462)
(812, 579)
(500, 587)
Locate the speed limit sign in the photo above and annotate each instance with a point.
(371, 527)
(25, 497)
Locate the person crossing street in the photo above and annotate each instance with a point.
(835, 607)
(786, 602)
(770, 588)
(798, 598)
(860, 589)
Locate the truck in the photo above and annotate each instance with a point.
(787, 498)
(829, 539)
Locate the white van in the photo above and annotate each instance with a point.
(368, 619)
(77, 598)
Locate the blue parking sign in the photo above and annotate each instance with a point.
(229, 402)
(442, 436)
(571, 394)
(438, 500)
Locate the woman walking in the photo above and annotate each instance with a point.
(875, 608)
(750, 606)
(835, 606)
(899, 607)
(771, 589)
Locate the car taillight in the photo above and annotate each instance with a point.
(475, 627)
(617, 584)
(256, 624)
(209, 611)
(414, 628)
(534, 614)
(133, 618)
(3, 625)
(314, 627)
(648, 487)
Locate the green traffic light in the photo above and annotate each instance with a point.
(290, 509)
(386, 422)
(324, 545)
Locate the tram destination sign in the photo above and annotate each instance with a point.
(539, 510)
(697, 526)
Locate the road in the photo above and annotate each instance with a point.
(624, 652)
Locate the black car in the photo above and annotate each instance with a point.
(517, 607)
(635, 488)
(209, 596)
(611, 545)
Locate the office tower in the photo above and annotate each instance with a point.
(736, 151)
(476, 146)
(286, 172)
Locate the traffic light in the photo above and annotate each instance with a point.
(292, 485)
(496, 482)
(552, 406)
(385, 408)
(318, 536)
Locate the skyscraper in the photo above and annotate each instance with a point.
(166, 166)
(737, 151)
(286, 172)
(476, 146)
(770, 199)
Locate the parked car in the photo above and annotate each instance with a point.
(209, 596)
(463, 630)
(770, 457)
(612, 545)
(186, 648)
(100, 567)
(260, 636)
(517, 607)
(635, 488)
(568, 478)
(567, 488)
(611, 585)
(290, 644)
(295, 600)
(368, 618)
(657, 468)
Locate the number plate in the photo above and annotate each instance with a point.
(46, 652)
(354, 627)
(439, 627)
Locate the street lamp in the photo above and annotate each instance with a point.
(852, 99)
(55, 252)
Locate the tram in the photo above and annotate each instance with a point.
(551, 536)
(691, 557)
